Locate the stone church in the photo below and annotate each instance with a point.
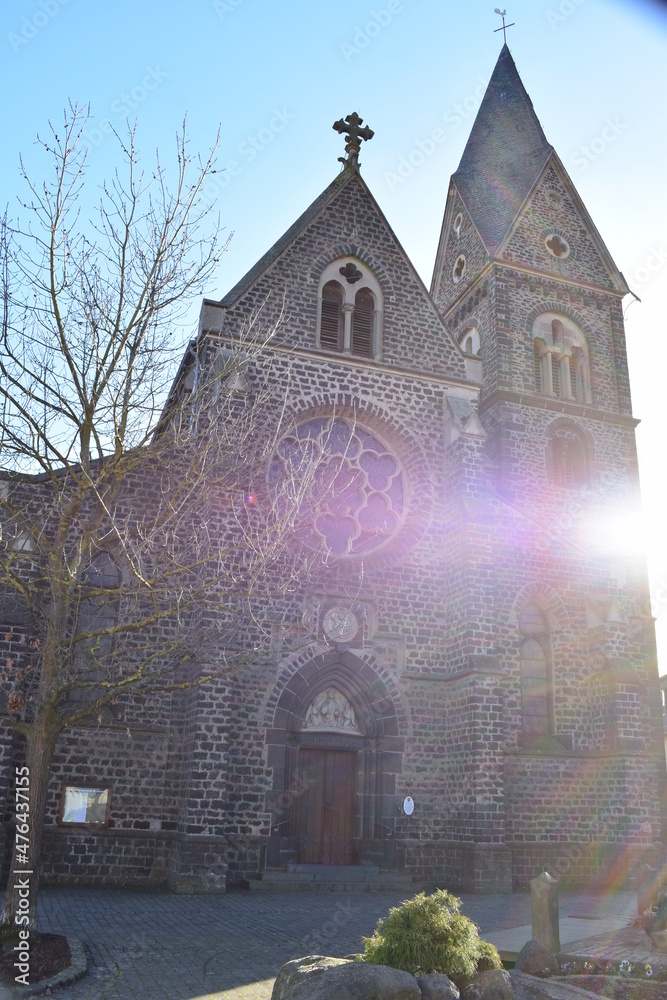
(474, 697)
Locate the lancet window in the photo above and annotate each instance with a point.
(350, 310)
(561, 359)
(537, 716)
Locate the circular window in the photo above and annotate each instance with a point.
(557, 246)
(459, 269)
(339, 484)
(458, 222)
(554, 199)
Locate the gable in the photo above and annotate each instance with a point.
(554, 216)
(459, 241)
(282, 290)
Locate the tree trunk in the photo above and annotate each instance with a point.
(20, 904)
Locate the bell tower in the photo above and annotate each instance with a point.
(524, 279)
(525, 282)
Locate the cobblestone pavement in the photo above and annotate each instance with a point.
(167, 947)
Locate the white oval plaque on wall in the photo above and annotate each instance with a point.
(408, 805)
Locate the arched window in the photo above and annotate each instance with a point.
(538, 352)
(93, 639)
(350, 313)
(561, 359)
(470, 342)
(578, 371)
(98, 608)
(362, 323)
(331, 321)
(557, 332)
(536, 674)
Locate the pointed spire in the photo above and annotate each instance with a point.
(504, 155)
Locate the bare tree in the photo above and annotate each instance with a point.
(129, 537)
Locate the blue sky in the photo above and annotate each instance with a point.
(275, 76)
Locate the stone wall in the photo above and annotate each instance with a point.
(204, 781)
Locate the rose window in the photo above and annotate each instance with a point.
(345, 488)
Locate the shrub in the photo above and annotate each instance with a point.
(428, 934)
(488, 957)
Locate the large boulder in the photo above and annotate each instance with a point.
(299, 970)
(495, 984)
(436, 986)
(535, 959)
(319, 978)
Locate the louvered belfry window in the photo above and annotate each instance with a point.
(561, 359)
(362, 323)
(537, 360)
(574, 387)
(331, 324)
(350, 310)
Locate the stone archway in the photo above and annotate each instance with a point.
(335, 752)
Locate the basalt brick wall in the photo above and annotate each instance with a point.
(467, 243)
(552, 210)
(459, 715)
(198, 779)
(286, 293)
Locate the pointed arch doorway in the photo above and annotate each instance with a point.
(335, 753)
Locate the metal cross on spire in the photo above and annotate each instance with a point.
(503, 14)
(351, 127)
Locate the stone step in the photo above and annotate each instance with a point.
(348, 879)
(333, 871)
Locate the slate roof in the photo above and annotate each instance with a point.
(504, 156)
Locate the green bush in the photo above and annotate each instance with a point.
(488, 957)
(428, 934)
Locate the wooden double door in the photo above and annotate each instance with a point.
(325, 808)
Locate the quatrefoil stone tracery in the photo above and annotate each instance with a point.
(352, 495)
(557, 246)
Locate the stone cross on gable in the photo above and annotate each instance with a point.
(354, 133)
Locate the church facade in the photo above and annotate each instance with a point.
(466, 691)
